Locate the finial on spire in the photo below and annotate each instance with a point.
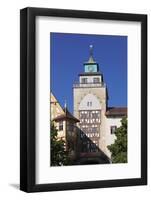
(65, 104)
(91, 50)
(91, 60)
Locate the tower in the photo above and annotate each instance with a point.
(90, 103)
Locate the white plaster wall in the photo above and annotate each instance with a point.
(110, 138)
(90, 98)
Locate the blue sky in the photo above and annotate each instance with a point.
(68, 53)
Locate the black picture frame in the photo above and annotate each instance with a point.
(28, 98)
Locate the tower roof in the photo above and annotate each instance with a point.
(91, 59)
(66, 116)
(116, 111)
(91, 65)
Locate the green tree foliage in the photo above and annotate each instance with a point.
(119, 148)
(58, 155)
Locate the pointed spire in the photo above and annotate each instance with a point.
(91, 50)
(91, 59)
(65, 106)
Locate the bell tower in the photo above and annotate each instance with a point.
(90, 102)
(91, 66)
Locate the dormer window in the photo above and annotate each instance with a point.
(89, 103)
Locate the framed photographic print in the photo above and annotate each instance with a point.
(83, 99)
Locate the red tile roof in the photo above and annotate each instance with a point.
(66, 116)
(116, 111)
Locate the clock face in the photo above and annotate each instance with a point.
(91, 68)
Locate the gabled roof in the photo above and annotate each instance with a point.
(66, 116)
(116, 111)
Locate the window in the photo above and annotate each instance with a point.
(60, 126)
(89, 103)
(96, 80)
(84, 146)
(70, 127)
(88, 146)
(81, 135)
(113, 129)
(84, 80)
(71, 146)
